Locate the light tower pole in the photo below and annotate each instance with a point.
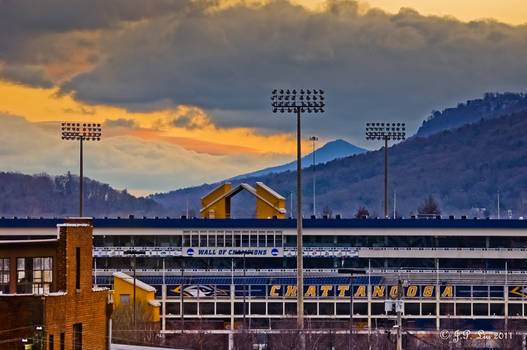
(386, 132)
(81, 132)
(293, 101)
(314, 139)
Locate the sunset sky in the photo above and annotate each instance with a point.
(183, 86)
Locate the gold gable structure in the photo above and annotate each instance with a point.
(217, 203)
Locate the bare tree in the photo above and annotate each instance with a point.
(200, 339)
(429, 207)
(362, 211)
(327, 211)
(145, 332)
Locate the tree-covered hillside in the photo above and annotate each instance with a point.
(44, 195)
(462, 168)
(492, 105)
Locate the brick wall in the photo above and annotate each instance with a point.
(19, 316)
(81, 305)
(67, 305)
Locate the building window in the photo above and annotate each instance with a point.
(62, 341)
(42, 274)
(77, 336)
(34, 275)
(124, 298)
(4, 275)
(78, 268)
(51, 342)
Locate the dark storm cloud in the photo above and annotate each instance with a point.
(39, 33)
(29, 75)
(374, 66)
(67, 15)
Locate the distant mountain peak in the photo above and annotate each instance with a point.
(330, 151)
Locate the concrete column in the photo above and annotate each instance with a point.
(438, 307)
(231, 334)
(506, 295)
(163, 306)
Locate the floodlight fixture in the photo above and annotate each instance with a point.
(289, 101)
(386, 132)
(298, 101)
(81, 132)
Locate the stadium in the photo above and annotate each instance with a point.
(464, 275)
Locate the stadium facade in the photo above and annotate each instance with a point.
(451, 273)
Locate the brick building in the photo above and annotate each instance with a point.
(46, 293)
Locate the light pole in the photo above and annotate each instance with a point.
(134, 253)
(385, 131)
(399, 309)
(351, 272)
(293, 101)
(314, 139)
(81, 132)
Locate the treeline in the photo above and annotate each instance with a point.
(492, 105)
(50, 196)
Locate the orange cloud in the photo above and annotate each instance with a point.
(186, 126)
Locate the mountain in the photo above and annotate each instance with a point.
(330, 151)
(462, 169)
(44, 195)
(492, 105)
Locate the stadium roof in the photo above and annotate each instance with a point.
(132, 222)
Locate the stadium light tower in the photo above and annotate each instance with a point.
(81, 132)
(386, 132)
(302, 101)
(314, 139)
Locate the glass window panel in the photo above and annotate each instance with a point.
(21, 275)
(48, 276)
(221, 240)
(212, 241)
(48, 263)
(37, 275)
(20, 263)
(278, 240)
(37, 263)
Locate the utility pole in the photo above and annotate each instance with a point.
(134, 253)
(399, 306)
(314, 139)
(181, 296)
(351, 272)
(498, 204)
(394, 203)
